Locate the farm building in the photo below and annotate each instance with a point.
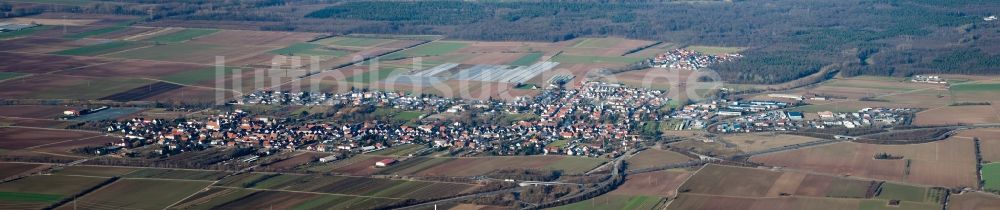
(385, 162)
(795, 115)
(788, 96)
(327, 158)
(15, 26)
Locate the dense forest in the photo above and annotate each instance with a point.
(786, 39)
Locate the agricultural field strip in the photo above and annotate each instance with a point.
(308, 192)
(277, 86)
(126, 50)
(71, 140)
(356, 176)
(17, 77)
(146, 34)
(74, 68)
(786, 170)
(52, 129)
(189, 196)
(766, 197)
(145, 78)
(879, 96)
(54, 154)
(852, 177)
(158, 80)
(119, 207)
(138, 167)
(139, 178)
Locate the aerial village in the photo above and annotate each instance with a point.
(599, 119)
(690, 60)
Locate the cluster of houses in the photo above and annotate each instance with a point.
(357, 97)
(777, 120)
(598, 114)
(596, 119)
(933, 79)
(7, 27)
(689, 59)
(237, 128)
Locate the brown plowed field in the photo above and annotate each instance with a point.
(143, 92)
(762, 141)
(359, 166)
(189, 94)
(659, 183)
(974, 201)
(33, 111)
(949, 162)
(11, 169)
(66, 148)
(989, 142)
(738, 181)
(40, 44)
(654, 157)
(39, 123)
(19, 138)
(709, 202)
(255, 38)
(37, 63)
(135, 68)
(958, 114)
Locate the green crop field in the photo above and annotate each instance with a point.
(527, 59)
(9, 75)
(309, 49)
(429, 49)
(181, 36)
(559, 143)
(847, 188)
(715, 50)
(53, 185)
(991, 176)
(612, 201)
(372, 76)
(197, 76)
(586, 59)
(597, 43)
(23, 32)
(891, 191)
(408, 115)
(353, 41)
(95, 32)
(171, 52)
(976, 87)
(29, 197)
(103, 48)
